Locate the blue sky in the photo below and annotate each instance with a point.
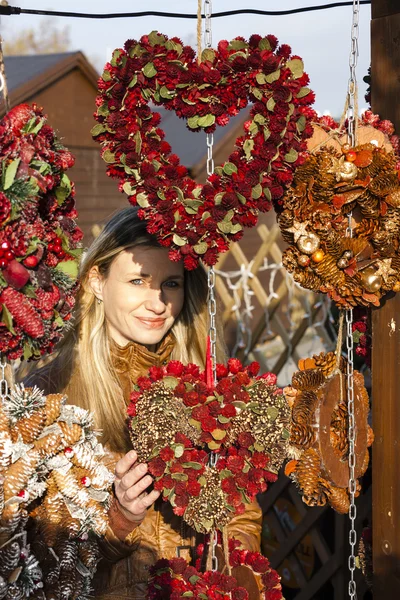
(321, 38)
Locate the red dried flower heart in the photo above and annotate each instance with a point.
(176, 420)
(200, 220)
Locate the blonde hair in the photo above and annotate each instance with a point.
(87, 342)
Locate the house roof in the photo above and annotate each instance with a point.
(20, 69)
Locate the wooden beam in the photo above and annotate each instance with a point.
(385, 71)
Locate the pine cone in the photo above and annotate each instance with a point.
(384, 184)
(309, 379)
(302, 436)
(23, 313)
(19, 473)
(326, 361)
(304, 407)
(307, 473)
(53, 407)
(339, 500)
(49, 444)
(29, 428)
(71, 433)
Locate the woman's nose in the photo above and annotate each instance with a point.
(155, 301)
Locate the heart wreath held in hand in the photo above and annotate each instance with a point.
(176, 419)
(200, 220)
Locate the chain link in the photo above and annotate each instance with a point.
(3, 382)
(214, 558)
(352, 139)
(212, 311)
(207, 28)
(352, 85)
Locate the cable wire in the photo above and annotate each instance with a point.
(15, 10)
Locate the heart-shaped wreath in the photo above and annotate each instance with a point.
(200, 220)
(249, 576)
(176, 419)
(334, 181)
(39, 238)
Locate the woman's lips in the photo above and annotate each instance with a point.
(152, 323)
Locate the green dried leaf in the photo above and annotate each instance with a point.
(193, 122)
(241, 198)
(7, 319)
(225, 473)
(301, 124)
(193, 579)
(97, 129)
(138, 142)
(156, 39)
(267, 193)
(69, 267)
(206, 121)
(108, 157)
(291, 156)
(259, 119)
(223, 419)
(218, 198)
(256, 191)
(225, 226)
(229, 168)
(248, 147)
(201, 248)
(208, 54)
(192, 465)
(132, 82)
(142, 200)
(178, 240)
(271, 104)
(178, 450)
(271, 77)
(261, 78)
(149, 70)
(257, 93)
(10, 173)
(236, 228)
(103, 111)
(237, 45)
(202, 480)
(296, 66)
(106, 76)
(27, 351)
(285, 434)
(272, 412)
(170, 382)
(165, 93)
(304, 91)
(258, 447)
(264, 44)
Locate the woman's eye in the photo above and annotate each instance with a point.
(171, 284)
(137, 281)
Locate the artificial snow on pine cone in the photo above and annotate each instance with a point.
(39, 238)
(54, 496)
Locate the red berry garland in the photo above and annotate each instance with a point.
(200, 220)
(39, 238)
(175, 420)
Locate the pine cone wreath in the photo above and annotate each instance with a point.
(50, 464)
(355, 270)
(318, 441)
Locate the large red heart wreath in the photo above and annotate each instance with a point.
(176, 419)
(200, 220)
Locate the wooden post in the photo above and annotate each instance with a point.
(385, 75)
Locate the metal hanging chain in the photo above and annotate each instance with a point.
(352, 118)
(212, 307)
(3, 381)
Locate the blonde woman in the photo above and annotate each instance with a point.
(135, 309)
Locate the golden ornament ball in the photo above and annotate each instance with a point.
(370, 281)
(317, 256)
(308, 243)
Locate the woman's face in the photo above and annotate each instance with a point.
(143, 294)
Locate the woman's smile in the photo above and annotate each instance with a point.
(151, 323)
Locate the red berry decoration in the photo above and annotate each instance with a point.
(36, 206)
(199, 221)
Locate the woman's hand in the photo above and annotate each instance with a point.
(130, 484)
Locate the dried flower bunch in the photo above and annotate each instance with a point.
(364, 181)
(198, 221)
(174, 579)
(319, 431)
(54, 492)
(39, 238)
(176, 420)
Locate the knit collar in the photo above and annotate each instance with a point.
(135, 359)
